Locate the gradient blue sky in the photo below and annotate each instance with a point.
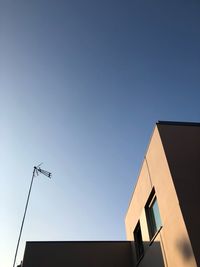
(82, 84)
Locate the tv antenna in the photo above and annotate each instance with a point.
(36, 171)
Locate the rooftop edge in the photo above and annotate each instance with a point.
(178, 123)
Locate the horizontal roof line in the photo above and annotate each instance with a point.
(178, 123)
(100, 241)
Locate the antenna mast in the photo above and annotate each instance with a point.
(36, 171)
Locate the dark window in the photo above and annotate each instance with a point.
(138, 241)
(153, 215)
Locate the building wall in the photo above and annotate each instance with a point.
(166, 248)
(76, 254)
(182, 146)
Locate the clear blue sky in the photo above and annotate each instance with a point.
(82, 84)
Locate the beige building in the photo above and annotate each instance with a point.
(162, 221)
(163, 215)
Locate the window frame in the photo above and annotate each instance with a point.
(153, 228)
(139, 246)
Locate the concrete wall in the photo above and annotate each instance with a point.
(166, 248)
(182, 147)
(76, 254)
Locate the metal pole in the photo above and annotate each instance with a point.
(20, 233)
